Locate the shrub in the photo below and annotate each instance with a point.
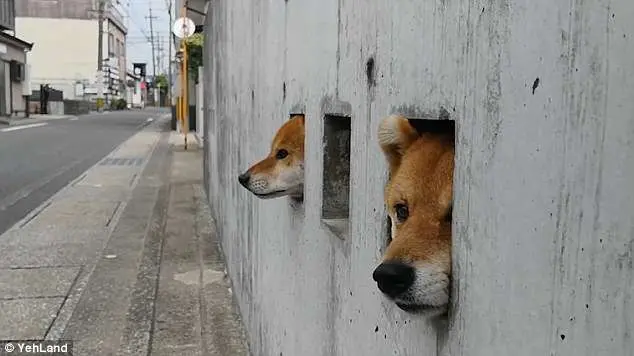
(118, 104)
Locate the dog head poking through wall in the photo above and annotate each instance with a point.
(416, 267)
(282, 171)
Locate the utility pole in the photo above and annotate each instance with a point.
(169, 58)
(153, 57)
(184, 77)
(101, 16)
(159, 65)
(159, 54)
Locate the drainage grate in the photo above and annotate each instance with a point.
(122, 161)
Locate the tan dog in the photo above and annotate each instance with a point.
(282, 171)
(416, 268)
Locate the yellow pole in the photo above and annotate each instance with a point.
(178, 111)
(185, 123)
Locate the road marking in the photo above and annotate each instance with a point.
(22, 127)
(73, 119)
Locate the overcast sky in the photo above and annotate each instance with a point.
(139, 49)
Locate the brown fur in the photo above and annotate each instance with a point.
(289, 136)
(275, 173)
(421, 177)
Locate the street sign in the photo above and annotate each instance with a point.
(184, 27)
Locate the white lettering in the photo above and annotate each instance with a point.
(41, 347)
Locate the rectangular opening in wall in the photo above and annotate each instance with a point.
(388, 235)
(336, 174)
(297, 199)
(436, 126)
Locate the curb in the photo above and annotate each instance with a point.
(199, 140)
(20, 122)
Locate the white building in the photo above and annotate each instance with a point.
(13, 64)
(67, 38)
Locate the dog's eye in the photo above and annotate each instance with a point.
(281, 154)
(402, 213)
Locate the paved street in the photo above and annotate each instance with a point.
(110, 243)
(38, 159)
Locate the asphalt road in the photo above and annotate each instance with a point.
(38, 160)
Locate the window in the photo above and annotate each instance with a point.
(111, 45)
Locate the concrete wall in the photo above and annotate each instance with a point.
(544, 206)
(58, 62)
(56, 107)
(76, 107)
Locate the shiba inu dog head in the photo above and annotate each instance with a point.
(416, 267)
(282, 171)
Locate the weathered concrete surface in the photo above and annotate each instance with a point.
(27, 318)
(37, 282)
(109, 298)
(542, 95)
(124, 260)
(195, 312)
(50, 254)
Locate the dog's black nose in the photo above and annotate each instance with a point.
(394, 278)
(244, 178)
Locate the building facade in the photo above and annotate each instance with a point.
(67, 58)
(13, 63)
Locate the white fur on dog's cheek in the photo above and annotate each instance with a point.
(289, 181)
(431, 287)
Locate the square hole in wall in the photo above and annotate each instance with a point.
(336, 174)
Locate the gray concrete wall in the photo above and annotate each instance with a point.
(56, 107)
(543, 217)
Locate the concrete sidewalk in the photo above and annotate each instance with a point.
(124, 260)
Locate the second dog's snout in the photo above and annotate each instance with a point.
(244, 178)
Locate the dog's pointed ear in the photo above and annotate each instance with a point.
(395, 135)
(299, 117)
